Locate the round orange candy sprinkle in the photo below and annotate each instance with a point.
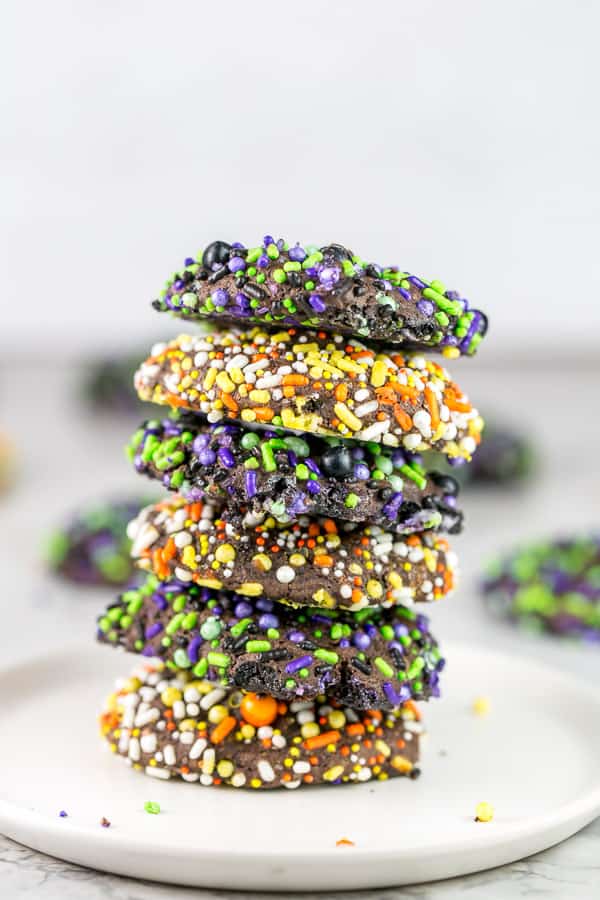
(258, 710)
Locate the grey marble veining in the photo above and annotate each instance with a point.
(80, 459)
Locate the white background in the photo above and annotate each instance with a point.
(457, 139)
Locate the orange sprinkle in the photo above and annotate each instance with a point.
(296, 380)
(225, 727)
(329, 526)
(323, 560)
(229, 402)
(414, 709)
(432, 406)
(402, 418)
(263, 413)
(355, 729)
(341, 392)
(321, 740)
(345, 842)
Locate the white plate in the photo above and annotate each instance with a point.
(534, 757)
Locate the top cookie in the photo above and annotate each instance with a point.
(332, 288)
(314, 383)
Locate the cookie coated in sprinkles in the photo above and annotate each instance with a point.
(312, 562)
(272, 472)
(327, 287)
(171, 724)
(315, 383)
(371, 659)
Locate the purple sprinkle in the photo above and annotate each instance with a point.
(362, 472)
(313, 487)
(297, 254)
(149, 651)
(344, 643)
(426, 307)
(153, 630)
(207, 457)
(193, 650)
(300, 663)
(226, 458)
(361, 640)
(63, 814)
(200, 442)
(243, 609)
(220, 297)
(311, 464)
(188, 261)
(392, 695)
(417, 282)
(237, 264)
(263, 261)
(329, 275)
(250, 479)
(268, 239)
(316, 303)
(264, 604)
(268, 620)
(296, 636)
(404, 293)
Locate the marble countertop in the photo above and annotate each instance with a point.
(69, 457)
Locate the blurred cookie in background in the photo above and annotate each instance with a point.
(109, 385)
(504, 457)
(8, 465)
(551, 585)
(92, 548)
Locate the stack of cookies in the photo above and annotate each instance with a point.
(279, 616)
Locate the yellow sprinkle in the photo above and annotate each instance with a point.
(210, 582)
(236, 375)
(374, 588)
(347, 417)
(209, 379)
(225, 768)
(484, 812)
(170, 696)
(225, 553)
(188, 557)
(248, 415)
(250, 589)
(323, 598)
(224, 382)
(347, 365)
(260, 397)
(451, 352)
(305, 348)
(481, 706)
(336, 718)
(248, 731)
(187, 725)
(217, 713)
(296, 559)
(395, 580)
(378, 373)
(262, 562)
(383, 748)
(309, 729)
(334, 773)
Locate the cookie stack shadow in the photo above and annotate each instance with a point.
(280, 622)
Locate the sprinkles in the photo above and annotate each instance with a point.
(314, 383)
(315, 562)
(375, 658)
(277, 284)
(257, 474)
(169, 724)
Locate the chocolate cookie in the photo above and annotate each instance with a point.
(315, 562)
(170, 724)
(372, 659)
(93, 548)
(314, 383)
(272, 473)
(550, 585)
(330, 288)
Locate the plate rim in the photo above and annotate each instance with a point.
(569, 817)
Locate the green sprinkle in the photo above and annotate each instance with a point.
(384, 667)
(174, 624)
(210, 629)
(240, 627)
(309, 285)
(351, 501)
(181, 659)
(416, 667)
(250, 440)
(189, 621)
(257, 646)
(415, 476)
(292, 266)
(387, 632)
(220, 660)
(279, 276)
(302, 471)
(327, 656)
(151, 807)
(201, 668)
(268, 457)
(272, 251)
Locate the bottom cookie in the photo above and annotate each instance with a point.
(173, 725)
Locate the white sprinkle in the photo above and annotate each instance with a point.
(215, 696)
(198, 748)
(134, 749)
(169, 754)
(156, 772)
(285, 574)
(148, 742)
(265, 770)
